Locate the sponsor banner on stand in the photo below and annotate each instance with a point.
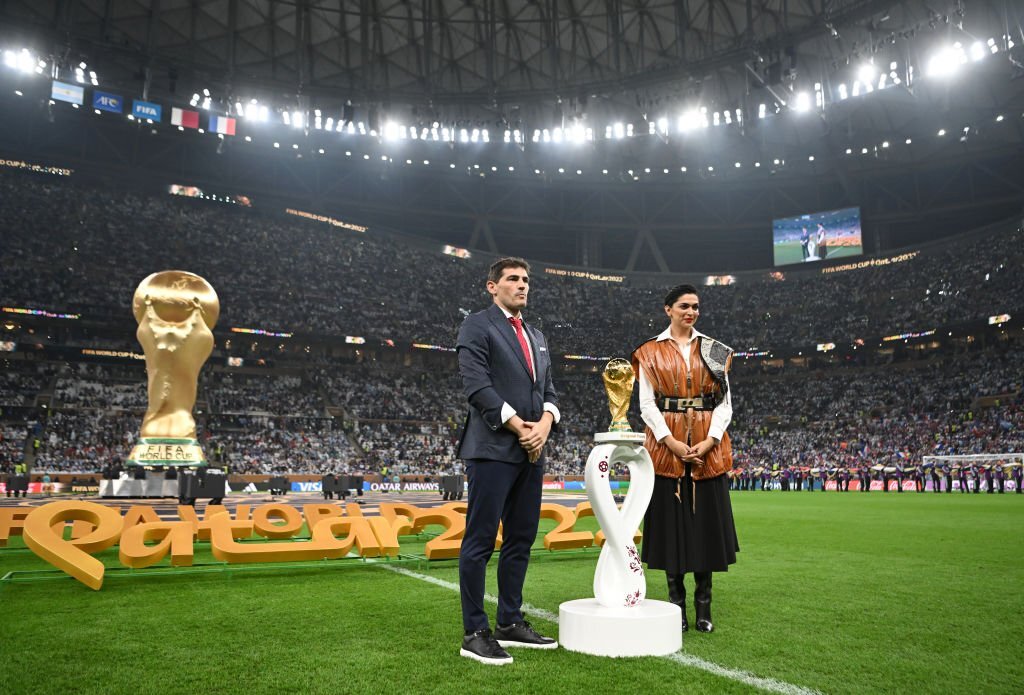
(580, 485)
(554, 485)
(147, 110)
(40, 488)
(105, 101)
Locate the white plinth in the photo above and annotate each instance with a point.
(652, 628)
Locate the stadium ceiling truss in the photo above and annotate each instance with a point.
(488, 53)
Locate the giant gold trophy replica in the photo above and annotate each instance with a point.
(619, 620)
(176, 311)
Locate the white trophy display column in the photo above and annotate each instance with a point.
(619, 620)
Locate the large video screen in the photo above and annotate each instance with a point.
(818, 236)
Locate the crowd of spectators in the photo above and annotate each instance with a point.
(290, 274)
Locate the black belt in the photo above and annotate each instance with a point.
(679, 405)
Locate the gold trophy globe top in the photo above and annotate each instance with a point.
(176, 311)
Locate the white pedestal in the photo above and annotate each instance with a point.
(651, 628)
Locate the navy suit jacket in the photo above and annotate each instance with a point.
(494, 372)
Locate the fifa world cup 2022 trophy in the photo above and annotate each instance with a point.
(176, 312)
(619, 620)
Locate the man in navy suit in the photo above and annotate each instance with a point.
(506, 376)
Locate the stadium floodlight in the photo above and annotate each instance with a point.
(711, 169)
(691, 119)
(546, 135)
(999, 118)
(629, 130)
(978, 51)
(285, 116)
(80, 75)
(579, 172)
(810, 158)
(206, 92)
(946, 62)
(511, 168)
(20, 94)
(802, 102)
(588, 134)
(856, 88)
(738, 165)
(885, 143)
(908, 141)
(464, 135)
(277, 145)
(604, 171)
(434, 134)
(248, 138)
(508, 135)
(651, 127)
(556, 135)
(647, 170)
(942, 131)
(239, 110)
(619, 130)
(475, 135)
(561, 170)
(536, 135)
(717, 118)
(866, 73)
(849, 150)
(776, 162)
(762, 110)
(863, 150)
(390, 130)
(757, 165)
(728, 117)
(329, 125)
(485, 135)
(321, 150)
(297, 119)
(992, 46)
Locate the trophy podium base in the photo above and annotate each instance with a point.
(652, 628)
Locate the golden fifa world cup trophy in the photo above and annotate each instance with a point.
(618, 384)
(176, 311)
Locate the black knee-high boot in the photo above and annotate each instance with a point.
(702, 601)
(677, 595)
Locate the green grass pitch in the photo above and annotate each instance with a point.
(790, 252)
(840, 593)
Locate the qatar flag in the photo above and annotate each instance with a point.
(186, 119)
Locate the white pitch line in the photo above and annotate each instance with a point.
(770, 685)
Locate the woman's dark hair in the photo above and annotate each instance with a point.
(677, 292)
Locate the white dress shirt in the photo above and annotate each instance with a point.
(507, 411)
(721, 416)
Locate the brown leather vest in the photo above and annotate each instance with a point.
(663, 364)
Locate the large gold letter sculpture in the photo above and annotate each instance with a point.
(176, 312)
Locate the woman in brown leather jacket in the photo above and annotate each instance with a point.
(685, 403)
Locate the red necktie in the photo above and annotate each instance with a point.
(518, 325)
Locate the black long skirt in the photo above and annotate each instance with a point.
(692, 533)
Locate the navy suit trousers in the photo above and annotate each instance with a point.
(509, 493)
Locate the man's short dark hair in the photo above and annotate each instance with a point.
(499, 266)
(677, 292)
